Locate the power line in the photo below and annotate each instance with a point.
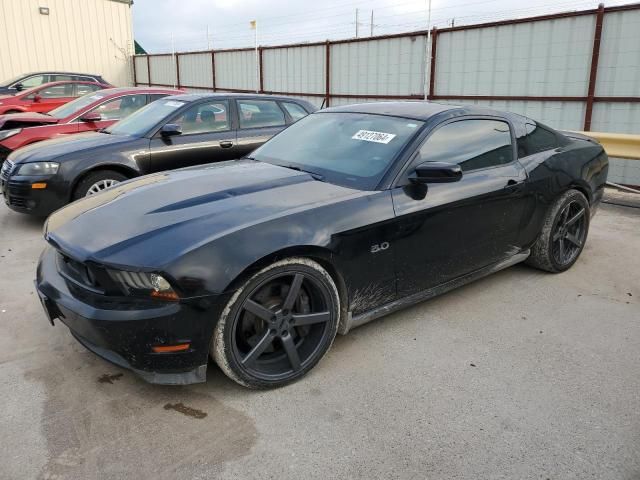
(273, 35)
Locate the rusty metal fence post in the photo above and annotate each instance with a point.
(593, 73)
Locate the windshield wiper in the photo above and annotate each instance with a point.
(315, 175)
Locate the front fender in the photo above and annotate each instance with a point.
(344, 231)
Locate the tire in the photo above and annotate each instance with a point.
(563, 235)
(90, 184)
(254, 345)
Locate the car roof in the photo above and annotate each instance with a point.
(120, 90)
(53, 84)
(191, 97)
(58, 72)
(413, 109)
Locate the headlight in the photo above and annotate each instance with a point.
(144, 284)
(9, 133)
(39, 168)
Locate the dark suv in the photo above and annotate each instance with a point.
(174, 132)
(30, 80)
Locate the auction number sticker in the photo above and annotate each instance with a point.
(371, 136)
(173, 104)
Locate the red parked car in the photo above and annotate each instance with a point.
(47, 97)
(88, 113)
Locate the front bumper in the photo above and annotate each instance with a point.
(19, 195)
(123, 332)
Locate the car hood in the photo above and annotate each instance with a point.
(51, 149)
(20, 119)
(150, 221)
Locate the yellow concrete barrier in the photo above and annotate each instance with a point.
(620, 145)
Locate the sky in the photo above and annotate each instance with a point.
(184, 25)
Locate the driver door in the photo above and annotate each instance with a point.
(207, 136)
(447, 230)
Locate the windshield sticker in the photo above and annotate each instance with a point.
(376, 137)
(174, 104)
(412, 125)
(96, 97)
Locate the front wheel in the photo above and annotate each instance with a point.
(96, 182)
(563, 235)
(278, 325)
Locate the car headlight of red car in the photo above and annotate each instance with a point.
(9, 133)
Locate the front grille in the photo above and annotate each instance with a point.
(18, 202)
(90, 277)
(79, 274)
(18, 188)
(7, 169)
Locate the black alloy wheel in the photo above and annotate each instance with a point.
(280, 326)
(569, 233)
(563, 234)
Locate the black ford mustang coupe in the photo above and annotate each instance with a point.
(347, 215)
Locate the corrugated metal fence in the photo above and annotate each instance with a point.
(575, 70)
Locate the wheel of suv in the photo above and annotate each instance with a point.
(563, 235)
(96, 182)
(278, 325)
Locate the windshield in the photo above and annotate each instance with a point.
(139, 123)
(76, 105)
(350, 149)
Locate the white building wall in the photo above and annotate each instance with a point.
(87, 36)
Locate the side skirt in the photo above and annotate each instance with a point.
(353, 322)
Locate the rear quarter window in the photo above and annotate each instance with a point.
(537, 139)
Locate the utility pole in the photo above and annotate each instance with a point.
(357, 23)
(427, 56)
(254, 25)
(173, 54)
(371, 33)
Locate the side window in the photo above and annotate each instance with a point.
(61, 78)
(260, 113)
(85, 88)
(538, 139)
(204, 118)
(472, 144)
(295, 111)
(120, 107)
(57, 91)
(34, 81)
(157, 96)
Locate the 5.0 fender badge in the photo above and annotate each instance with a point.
(379, 247)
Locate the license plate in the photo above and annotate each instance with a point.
(47, 306)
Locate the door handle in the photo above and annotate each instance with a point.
(226, 144)
(514, 185)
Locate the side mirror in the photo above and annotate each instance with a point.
(436, 172)
(19, 87)
(91, 117)
(37, 98)
(170, 129)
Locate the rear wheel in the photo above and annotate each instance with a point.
(563, 234)
(278, 325)
(96, 182)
